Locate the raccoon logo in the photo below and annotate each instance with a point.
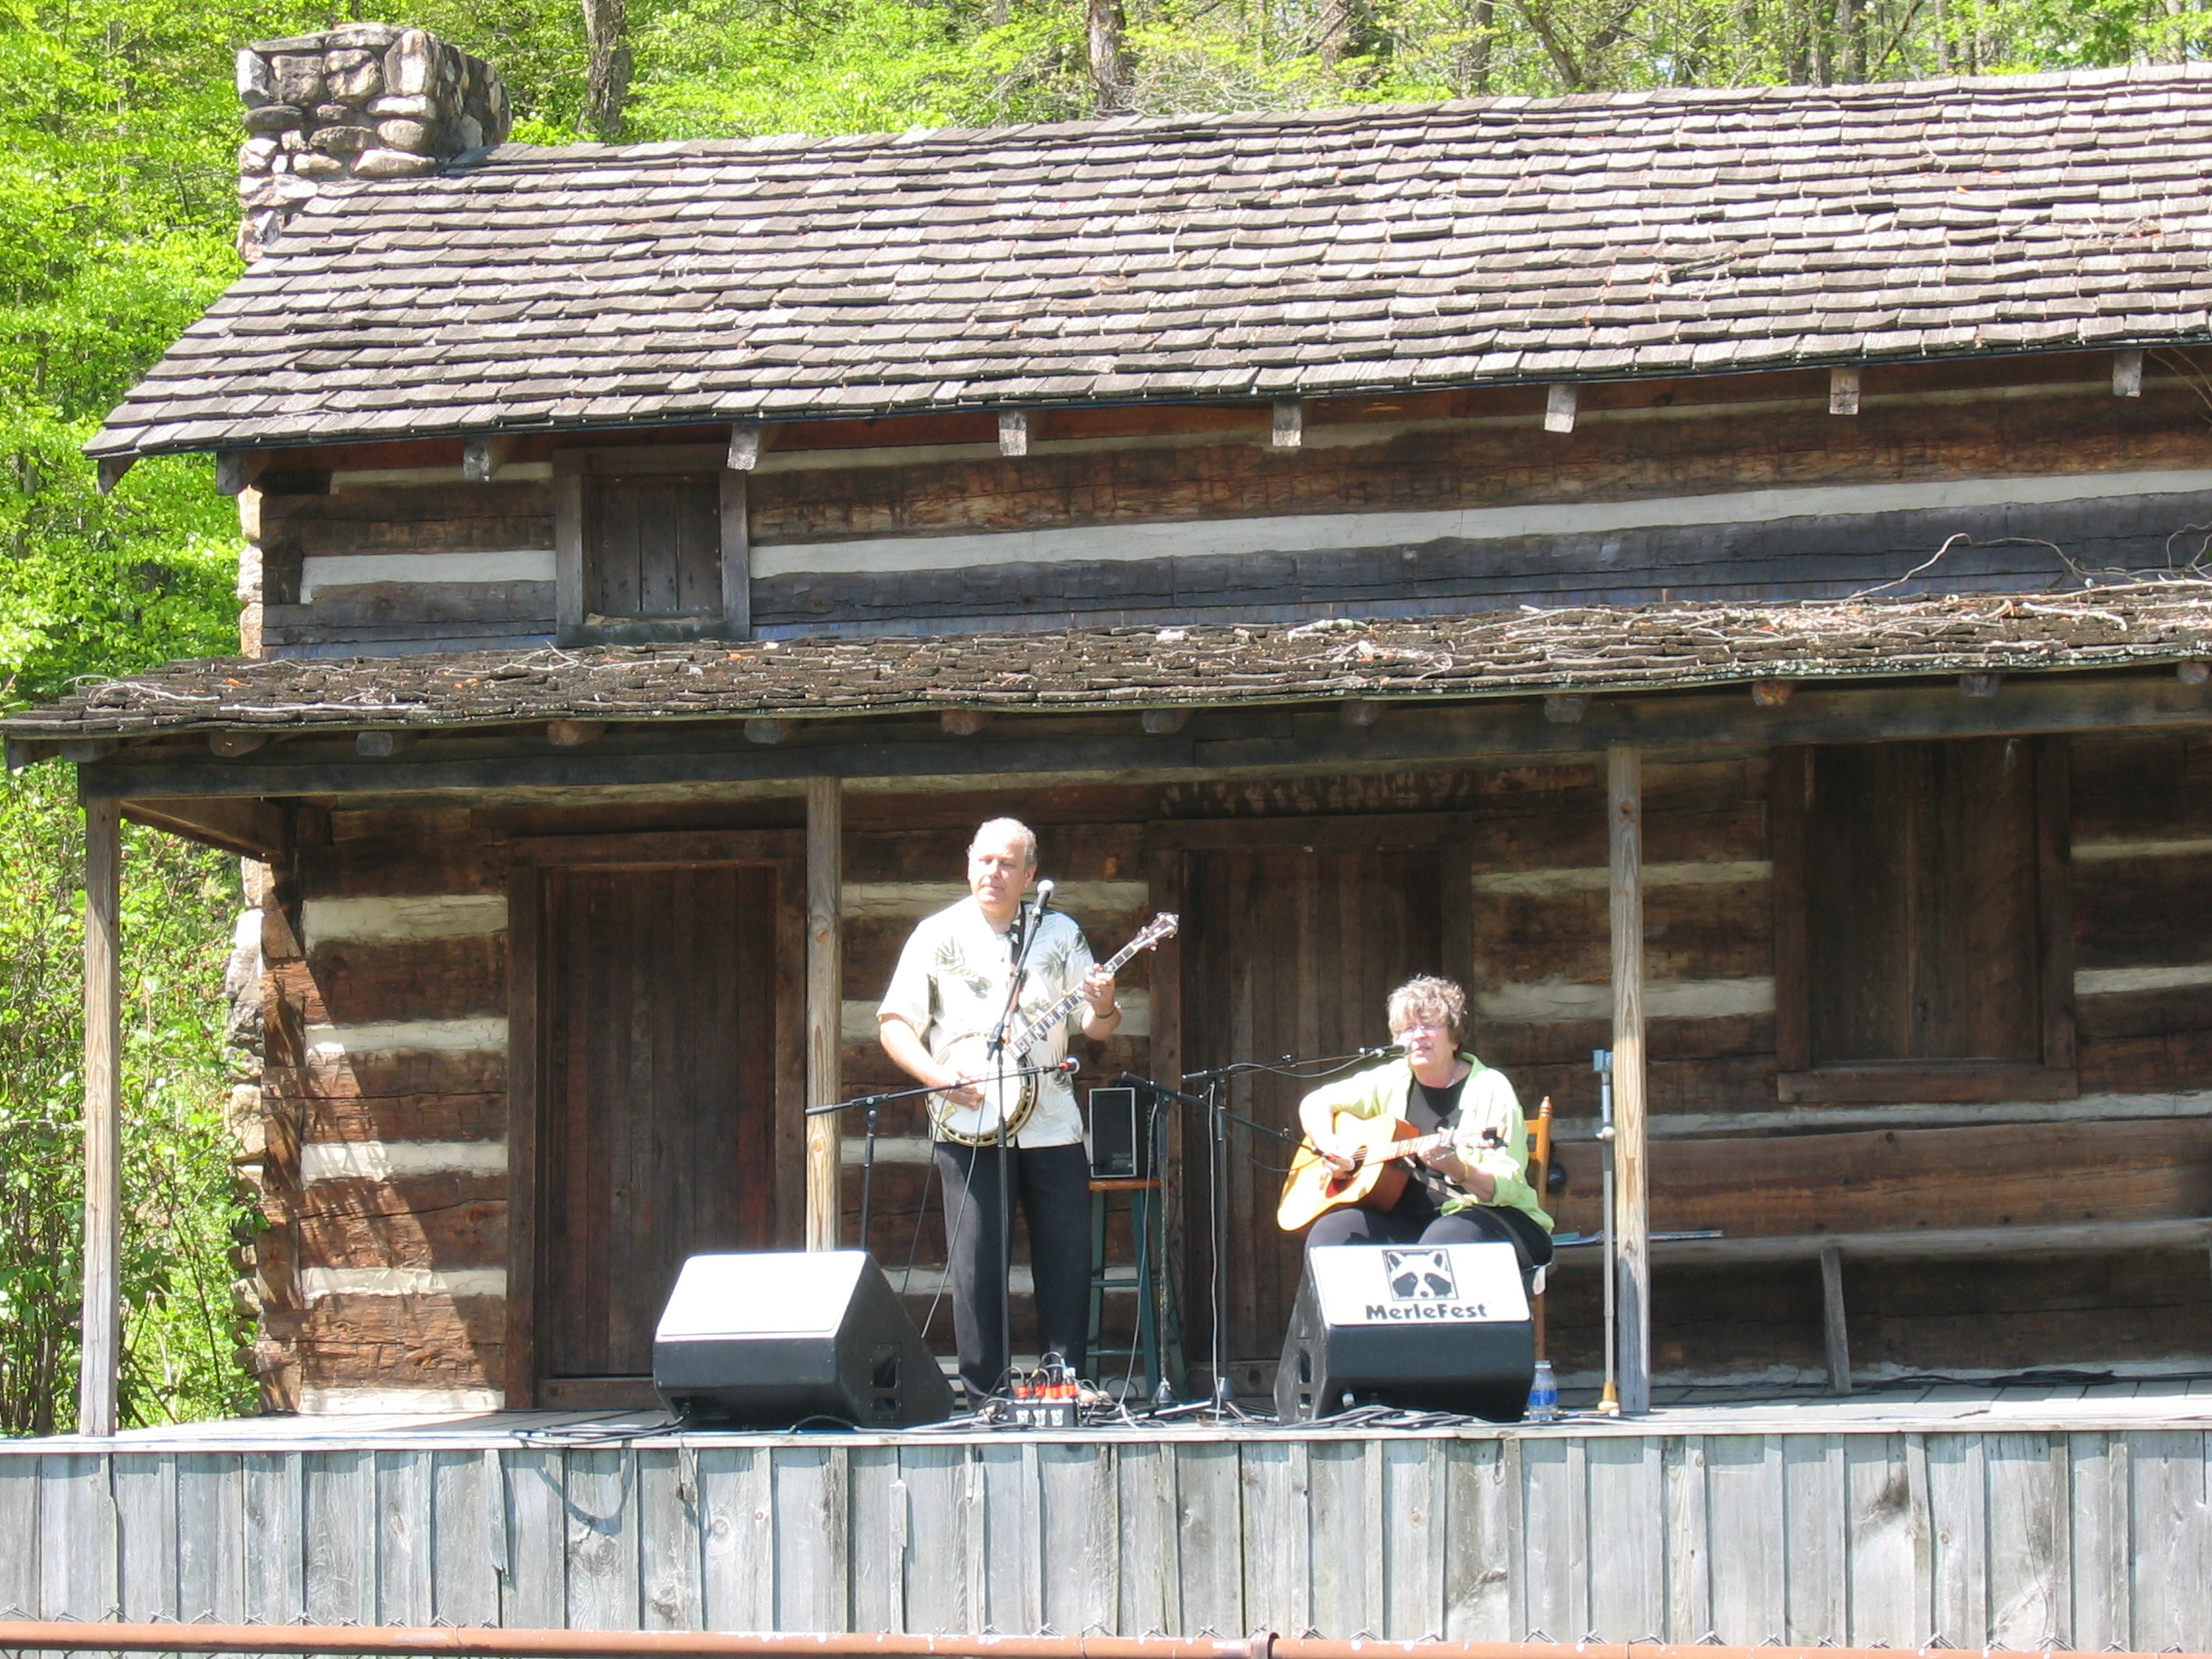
(1421, 1275)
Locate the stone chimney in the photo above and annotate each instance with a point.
(367, 100)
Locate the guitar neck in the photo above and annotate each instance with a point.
(1060, 1010)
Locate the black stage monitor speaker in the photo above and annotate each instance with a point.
(768, 1341)
(1121, 1134)
(1423, 1327)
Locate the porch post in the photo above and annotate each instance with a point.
(102, 1355)
(1632, 1227)
(825, 1008)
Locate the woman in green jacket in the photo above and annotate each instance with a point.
(1472, 1188)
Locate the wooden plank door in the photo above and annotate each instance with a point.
(1284, 953)
(656, 1038)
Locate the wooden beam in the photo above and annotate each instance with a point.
(481, 458)
(737, 555)
(112, 467)
(1632, 1216)
(763, 730)
(252, 828)
(825, 1008)
(1165, 722)
(1834, 1327)
(1566, 708)
(744, 446)
(1559, 408)
(1359, 713)
(1843, 390)
(2128, 373)
(232, 473)
(964, 723)
(1014, 432)
(1772, 694)
(1305, 740)
(230, 745)
(382, 743)
(1980, 685)
(2193, 673)
(574, 734)
(101, 1360)
(1290, 423)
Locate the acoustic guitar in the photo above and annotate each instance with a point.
(1377, 1177)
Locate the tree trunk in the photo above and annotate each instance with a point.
(1475, 77)
(1110, 80)
(606, 79)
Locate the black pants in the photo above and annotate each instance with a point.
(1052, 1185)
(1417, 1223)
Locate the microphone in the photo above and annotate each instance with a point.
(1070, 1064)
(1395, 1052)
(1044, 895)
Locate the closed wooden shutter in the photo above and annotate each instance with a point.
(653, 546)
(1922, 866)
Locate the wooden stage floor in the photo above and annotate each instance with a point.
(2016, 1516)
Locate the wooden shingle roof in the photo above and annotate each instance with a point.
(1219, 257)
(1595, 649)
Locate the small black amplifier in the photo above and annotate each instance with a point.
(1120, 1134)
(1422, 1327)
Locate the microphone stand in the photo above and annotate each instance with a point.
(1223, 1404)
(873, 1105)
(1026, 937)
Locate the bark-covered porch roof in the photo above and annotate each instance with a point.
(1590, 650)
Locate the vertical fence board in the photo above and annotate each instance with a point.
(1885, 1533)
(2168, 1522)
(1554, 1521)
(940, 1543)
(1957, 1499)
(1278, 1561)
(146, 1537)
(601, 1532)
(2024, 1590)
(1414, 1521)
(469, 1536)
(737, 1518)
(1689, 1553)
(19, 1520)
(1009, 1533)
(1076, 1486)
(808, 1494)
(1744, 1497)
(1479, 1560)
(1210, 1510)
(76, 1546)
(211, 1539)
(1151, 1546)
(273, 1487)
(2103, 1542)
(1628, 1556)
(1814, 1556)
(877, 1544)
(536, 1592)
(669, 1592)
(406, 1574)
(338, 1497)
(1344, 1478)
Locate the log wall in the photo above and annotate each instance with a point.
(2005, 474)
(2026, 1536)
(383, 1274)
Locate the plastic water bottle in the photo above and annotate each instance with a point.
(1543, 1394)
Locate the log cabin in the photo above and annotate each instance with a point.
(1720, 573)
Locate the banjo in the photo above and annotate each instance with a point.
(1008, 1097)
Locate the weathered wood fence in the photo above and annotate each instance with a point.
(2007, 1536)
